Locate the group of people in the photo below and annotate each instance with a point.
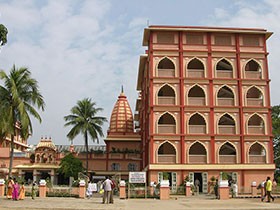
(106, 188)
(267, 187)
(15, 191)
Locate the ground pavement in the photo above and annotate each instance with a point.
(201, 202)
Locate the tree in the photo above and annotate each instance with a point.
(3, 34)
(70, 166)
(275, 115)
(84, 121)
(19, 98)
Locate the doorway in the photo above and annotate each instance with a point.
(198, 176)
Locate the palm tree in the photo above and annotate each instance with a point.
(84, 121)
(18, 96)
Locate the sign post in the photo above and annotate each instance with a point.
(137, 178)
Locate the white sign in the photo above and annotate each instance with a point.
(137, 177)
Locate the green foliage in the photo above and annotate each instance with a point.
(165, 175)
(70, 166)
(275, 115)
(84, 121)
(19, 98)
(224, 176)
(3, 34)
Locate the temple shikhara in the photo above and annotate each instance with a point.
(203, 110)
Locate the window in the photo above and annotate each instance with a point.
(165, 38)
(222, 40)
(194, 38)
(132, 167)
(251, 41)
(115, 167)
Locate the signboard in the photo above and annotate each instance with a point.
(137, 177)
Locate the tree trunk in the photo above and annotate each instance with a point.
(86, 144)
(11, 155)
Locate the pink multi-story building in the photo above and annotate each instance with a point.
(204, 106)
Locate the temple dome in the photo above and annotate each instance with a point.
(47, 143)
(121, 118)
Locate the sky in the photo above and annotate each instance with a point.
(80, 49)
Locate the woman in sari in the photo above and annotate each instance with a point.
(10, 188)
(21, 192)
(15, 190)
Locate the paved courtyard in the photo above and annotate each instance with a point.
(175, 203)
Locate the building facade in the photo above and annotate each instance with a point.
(204, 105)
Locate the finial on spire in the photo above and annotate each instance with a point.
(122, 88)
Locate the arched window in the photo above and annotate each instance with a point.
(254, 97)
(227, 153)
(195, 68)
(197, 153)
(196, 96)
(166, 153)
(225, 97)
(256, 125)
(166, 68)
(197, 124)
(257, 154)
(226, 125)
(224, 69)
(166, 95)
(253, 70)
(166, 124)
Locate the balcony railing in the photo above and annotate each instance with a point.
(224, 74)
(166, 158)
(257, 159)
(255, 129)
(197, 129)
(227, 158)
(253, 74)
(166, 128)
(166, 72)
(199, 101)
(227, 129)
(197, 73)
(132, 155)
(226, 101)
(116, 155)
(197, 159)
(166, 100)
(254, 102)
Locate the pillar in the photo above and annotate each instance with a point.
(82, 189)
(188, 189)
(254, 188)
(122, 190)
(52, 177)
(42, 188)
(34, 175)
(164, 190)
(224, 190)
(2, 187)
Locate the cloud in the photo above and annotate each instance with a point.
(76, 53)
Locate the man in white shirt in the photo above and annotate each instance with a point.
(107, 186)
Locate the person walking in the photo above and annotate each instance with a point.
(15, 190)
(10, 188)
(269, 189)
(33, 191)
(263, 188)
(197, 184)
(107, 186)
(21, 192)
